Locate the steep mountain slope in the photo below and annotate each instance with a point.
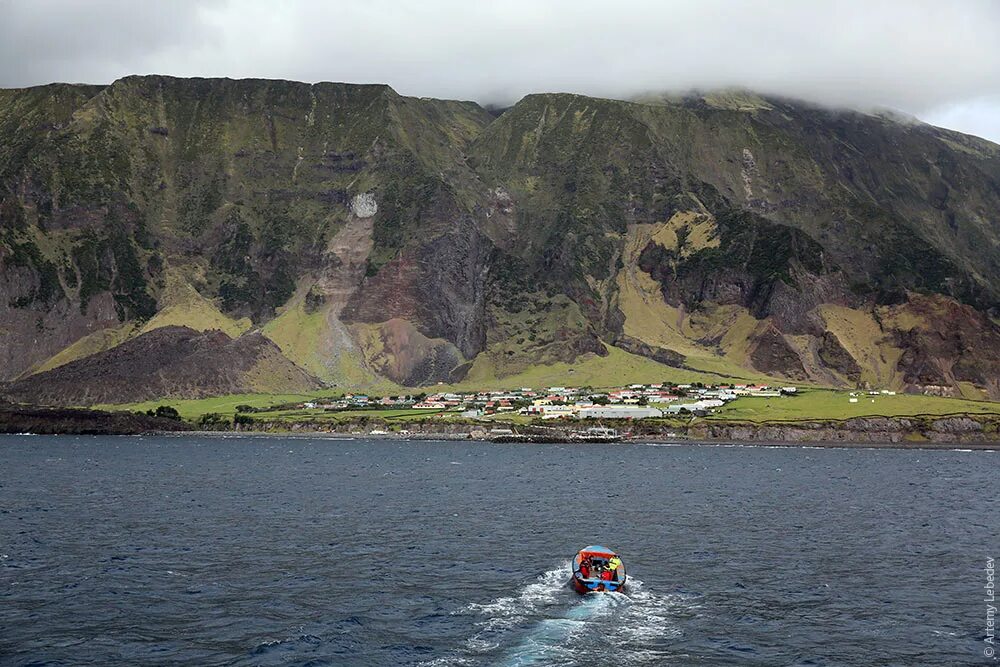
(168, 362)
(382, 240)
(236, 188)
(750, 220)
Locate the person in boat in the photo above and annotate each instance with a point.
(613, 564)
(585, 568)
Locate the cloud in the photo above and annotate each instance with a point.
(980, 117)
(920, 56)
(42, 41)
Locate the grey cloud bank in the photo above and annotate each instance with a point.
(939, 61)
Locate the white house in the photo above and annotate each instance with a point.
(705, 404)
(548, 411)
(619, 412)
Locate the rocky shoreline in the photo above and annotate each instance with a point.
(899, 431)
(979, 432)
(74, 421)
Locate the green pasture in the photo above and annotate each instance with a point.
(822, 404)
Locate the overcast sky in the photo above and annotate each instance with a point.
(938, 60)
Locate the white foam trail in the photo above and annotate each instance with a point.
(649, 616)
(551, 640)
(505, 613)
(565, 627)
(628, 626)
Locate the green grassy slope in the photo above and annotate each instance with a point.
(825, 404)
(810, 404)
(192, 409)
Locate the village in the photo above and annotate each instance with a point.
(636, 401)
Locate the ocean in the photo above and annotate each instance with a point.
(265, 550)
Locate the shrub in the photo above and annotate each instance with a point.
(213, 420)
(164, 411)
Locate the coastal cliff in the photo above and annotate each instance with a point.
(351, 236)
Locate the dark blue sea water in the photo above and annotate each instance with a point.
(282, 551)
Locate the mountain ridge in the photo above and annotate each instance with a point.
(379, 239)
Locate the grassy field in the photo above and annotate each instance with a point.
(618, 369)
(192, 409)
(808, 404)
(829, 404)
(347, 415)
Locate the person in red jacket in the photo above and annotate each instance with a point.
(585, 568)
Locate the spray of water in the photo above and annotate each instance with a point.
(546, 623)
(498, 617)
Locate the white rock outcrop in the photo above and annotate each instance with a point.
(364, 205)
(748, 171)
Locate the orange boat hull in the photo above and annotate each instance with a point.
(596, 578)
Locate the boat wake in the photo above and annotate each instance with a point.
(546, 623)
(504, 614)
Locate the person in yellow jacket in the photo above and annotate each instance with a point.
(613, 564)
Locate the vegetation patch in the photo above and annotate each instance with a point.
(861, 335)
(25, 254)
(184, 306)
(823, 404)
(713, 339)
(105, 339)
(617, 368)
(193, 409)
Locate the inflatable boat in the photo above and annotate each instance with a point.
(597, 569)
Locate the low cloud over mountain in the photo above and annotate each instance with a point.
(935, 60)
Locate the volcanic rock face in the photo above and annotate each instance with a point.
(371, 236)
(771, 353)
(834, 356)
(167, 362)
(636, 346)
(947, 344)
